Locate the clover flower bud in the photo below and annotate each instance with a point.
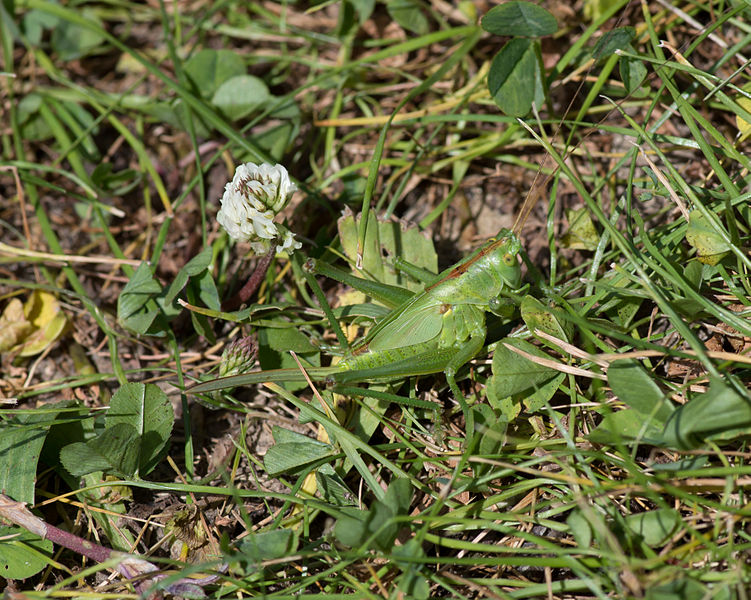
(238, 357)
(251, 201)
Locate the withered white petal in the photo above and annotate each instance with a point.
(288, 243)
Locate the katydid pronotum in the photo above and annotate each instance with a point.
(437, 330)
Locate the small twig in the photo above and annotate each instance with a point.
(552, 364)
(5, 249)
(244, 294)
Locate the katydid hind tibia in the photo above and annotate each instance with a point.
(436, 330)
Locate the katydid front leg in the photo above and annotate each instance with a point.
(466, 353)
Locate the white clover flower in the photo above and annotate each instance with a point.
(251, 201)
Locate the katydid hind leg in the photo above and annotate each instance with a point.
(387, 365)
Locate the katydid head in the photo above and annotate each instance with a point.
(508, 247)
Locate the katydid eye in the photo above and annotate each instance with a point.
(509, 260)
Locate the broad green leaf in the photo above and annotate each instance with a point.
(351, 528)
(144, 307)
(398, 496)
(176, 114)
(110, 499)
(622, 305)
(284, 458)
(332, 487)
(511, 80)
(624, 309)
(70, 40)
(409, 15)
(388, 238)
(114, 450)
(685, 588)
(519, 19)
(35, 22)
(396, 502)
(268, 545)
(29, 106)
(364, 9)
(412, 584)
(381, 522)
(195, 266)
(720, 413)
(636, 387)
(694, 272)
(292, 451)
(520, 379)
(357, 526)
(633, 73)
(21, 441)
(277, 138)
(136, 307)
(240, 96)
(22, 554)
(118, 445)
(148, 410)
(201, 291)
(205, 290)
(581, 233)
(404, 556)
(703, 236)
(549, 319)
(654, 526)
(284, 339)
(626, 426)
(138, 426)
(580, 528)
(508, 407)
(615, 39)
(209, 69)
(274, 345)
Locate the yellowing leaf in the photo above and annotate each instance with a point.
(13, 325)
(744, 127)
(702, 235)
(42, 311)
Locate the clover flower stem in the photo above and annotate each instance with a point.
(245, 292)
